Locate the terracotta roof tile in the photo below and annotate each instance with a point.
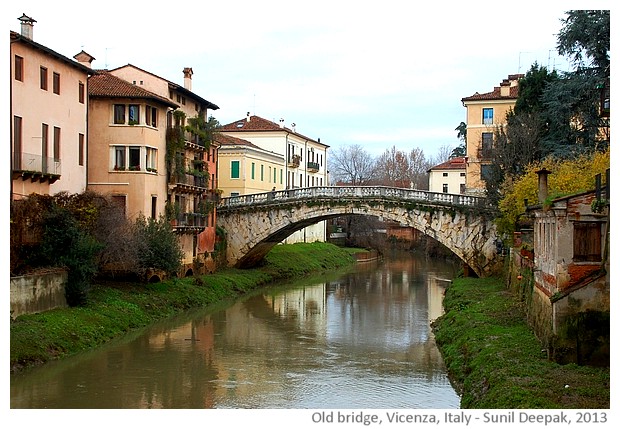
(105, 85)
(256, 123)
(451, 164)
(174, 86)
(496, 93)
(224, 139)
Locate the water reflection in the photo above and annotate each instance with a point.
(362, 340)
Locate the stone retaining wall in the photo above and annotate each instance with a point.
(38, 292)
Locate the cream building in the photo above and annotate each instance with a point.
(281, 158)
(485, 113)
(448, 177)
(49, 139)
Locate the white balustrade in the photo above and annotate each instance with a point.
(338, 192)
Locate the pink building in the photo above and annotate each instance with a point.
(48, 145)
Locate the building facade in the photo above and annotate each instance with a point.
(190, 165)
(485, 113)
(448, 177)
(246, 168)
(127, 128)
(48, 145)
(279, 157)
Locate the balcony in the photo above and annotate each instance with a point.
(293, 161)
(35, 167)
(188, 183)
(484, 154)
(312, 167)
(189, 223)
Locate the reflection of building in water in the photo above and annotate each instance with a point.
(436, 287)
(306, 306)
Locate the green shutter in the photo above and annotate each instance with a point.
(234, 169)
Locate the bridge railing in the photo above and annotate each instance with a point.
(336, 192)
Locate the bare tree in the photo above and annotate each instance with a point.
(418, 167)
(393, 169)
(351, 164)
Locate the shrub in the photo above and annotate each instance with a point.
(158, 246)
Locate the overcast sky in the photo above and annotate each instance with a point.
(379, 74)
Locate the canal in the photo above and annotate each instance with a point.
(359, 338)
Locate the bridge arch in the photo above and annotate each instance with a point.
(255, 223)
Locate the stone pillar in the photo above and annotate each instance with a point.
(542, 184)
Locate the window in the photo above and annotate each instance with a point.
(445, 174)
(19, 68)
(151, 159)
(151, 116)
(484, 152)
(43, 78)
(153, 207)
(462, 188)
(44, 150)
(262, 173)
(134, 158)
(81, 149)
(119, 113)
(274, 175)
(134, 114)
(56, 83)
(587, 241)
(81, 93)
(56, 143)
(234, 169)
(462, 174)
(445, 188)
(252, 171)
(485, 172)
(119, 158)
(120, 201)
(17, 142)
(487, 116)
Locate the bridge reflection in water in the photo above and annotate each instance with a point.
(355, 340)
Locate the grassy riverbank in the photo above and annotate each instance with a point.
(115, 309)
(495, 360)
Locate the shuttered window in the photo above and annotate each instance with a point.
(587, 242)
(234, 169)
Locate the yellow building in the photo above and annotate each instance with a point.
(245, 168)
(485, 113)
(48, 118)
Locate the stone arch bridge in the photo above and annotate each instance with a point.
(257, 222)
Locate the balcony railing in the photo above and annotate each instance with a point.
(28, 165)
(313, 167)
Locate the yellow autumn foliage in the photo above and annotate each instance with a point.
(566, 178)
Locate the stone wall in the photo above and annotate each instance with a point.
(37, 293)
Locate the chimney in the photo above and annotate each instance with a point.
(504, 88)
(281, 122)
(542, 184)
(187, 78)
(247, 117)
(85, 59)
(27, 25)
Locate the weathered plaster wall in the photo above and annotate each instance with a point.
(37, 293)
